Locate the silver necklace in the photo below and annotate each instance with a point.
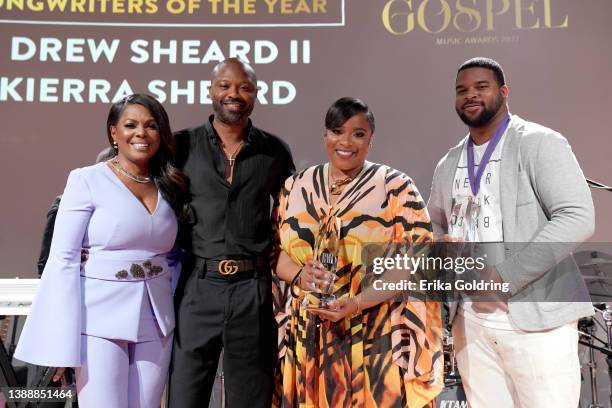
(139, 179)
(232, 157)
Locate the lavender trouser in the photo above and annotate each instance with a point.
(122, 374)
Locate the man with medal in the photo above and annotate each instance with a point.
(516, 186)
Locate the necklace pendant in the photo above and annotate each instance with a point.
(231, 158)
(336, 186)
(334, 190)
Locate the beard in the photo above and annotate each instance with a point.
(485, 116)
(231, 118)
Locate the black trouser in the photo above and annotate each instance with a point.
(214, 312)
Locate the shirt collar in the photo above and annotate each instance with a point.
(214, 137)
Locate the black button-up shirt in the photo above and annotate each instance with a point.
(232, 220)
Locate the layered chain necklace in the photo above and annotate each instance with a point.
(335, 186)
(139, 179)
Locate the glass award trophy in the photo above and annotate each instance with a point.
(464, 219)
(463, 229)
(326, 249)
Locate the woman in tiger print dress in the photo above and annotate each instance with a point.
(364, 353)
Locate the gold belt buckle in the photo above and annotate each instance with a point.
(228, 267)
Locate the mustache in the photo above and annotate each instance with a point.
(470, 103)
(234, 100)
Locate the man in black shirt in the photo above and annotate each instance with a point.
(224, 299)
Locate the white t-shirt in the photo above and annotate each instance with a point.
(488, 222)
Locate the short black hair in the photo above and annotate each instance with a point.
(344, 109)
(488, 63)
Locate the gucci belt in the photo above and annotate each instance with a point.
(227, 267)
(230, 267)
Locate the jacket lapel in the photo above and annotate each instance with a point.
(508, 178)
(448, 174)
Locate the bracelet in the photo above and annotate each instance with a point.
(294, 283)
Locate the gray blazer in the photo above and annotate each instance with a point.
(547, 211)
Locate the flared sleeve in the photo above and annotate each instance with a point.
(417, 337)
(52, 332)
(280, 290)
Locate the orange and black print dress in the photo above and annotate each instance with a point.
(389, 355)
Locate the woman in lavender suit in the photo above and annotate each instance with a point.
(111, 317)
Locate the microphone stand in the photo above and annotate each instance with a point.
(607, 316)
(607, 312)
(586, 329)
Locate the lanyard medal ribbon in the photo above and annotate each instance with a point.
(473, 175)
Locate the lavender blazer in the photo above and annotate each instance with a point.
(130, 267)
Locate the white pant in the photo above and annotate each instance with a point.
(120, 374)
(504, 368)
